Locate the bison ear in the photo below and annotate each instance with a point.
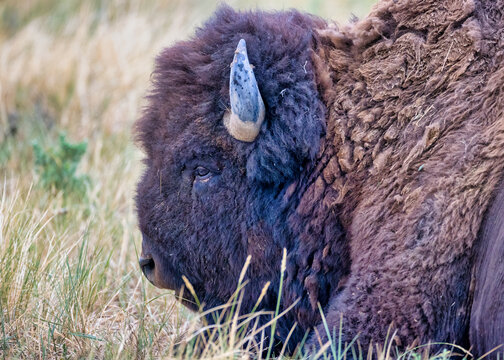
(244, 120)
(295, 124)
(289, 146)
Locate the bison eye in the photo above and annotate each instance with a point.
(202, 173)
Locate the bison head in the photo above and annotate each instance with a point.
(230, 149)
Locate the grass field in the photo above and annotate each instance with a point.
(74, 72)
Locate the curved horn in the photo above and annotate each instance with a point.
(244, 120)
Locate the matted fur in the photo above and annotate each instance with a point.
(382, 146)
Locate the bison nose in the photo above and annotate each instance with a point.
(146, 264)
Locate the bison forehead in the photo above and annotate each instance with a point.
(190, 92)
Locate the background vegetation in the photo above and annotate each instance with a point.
(72, 77)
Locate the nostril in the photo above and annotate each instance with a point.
(146, 264)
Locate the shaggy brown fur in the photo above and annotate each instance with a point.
(416, 101)
(379, 206)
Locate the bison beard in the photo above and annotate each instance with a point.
(381, 149)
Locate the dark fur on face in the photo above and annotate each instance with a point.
(206, 200)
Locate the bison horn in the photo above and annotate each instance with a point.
(244, 120)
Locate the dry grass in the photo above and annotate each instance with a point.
(70, 286)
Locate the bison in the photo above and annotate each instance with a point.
(373, 153)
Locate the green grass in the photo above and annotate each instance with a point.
(70, 285)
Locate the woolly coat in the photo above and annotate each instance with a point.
(416, 109)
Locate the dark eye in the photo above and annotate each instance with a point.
(202, 173)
